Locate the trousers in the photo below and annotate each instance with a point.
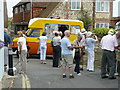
(43, 49)
(90, 63)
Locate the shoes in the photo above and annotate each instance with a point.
(81, 69)
(103, 77)
(64, 76)
(41, 62)
(112, 77)
(91, 71)
(116, 74)
(87, 69)
(79, 74)
(75, 72)
(71, 76)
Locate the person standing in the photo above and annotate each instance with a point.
(43, 47)
(117, 37)
(7, 44)
(83, 32)
(56, 50)
(118, 60)
(109, 43)
(90, 48)
(67, 58)
(78, 46)
(22, 50)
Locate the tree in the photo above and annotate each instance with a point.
(84, 16)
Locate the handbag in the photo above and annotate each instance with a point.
(51, 43)
(1, 44)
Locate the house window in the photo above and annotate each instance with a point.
(21, 9)
(28, 6)
(16, 10)
(75, 4)
(101, 25)
(102, 6)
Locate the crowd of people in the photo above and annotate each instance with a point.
(65, 52)
(75, 51)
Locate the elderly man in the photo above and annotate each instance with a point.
(7, 43)
(109, 43)
(67, 55)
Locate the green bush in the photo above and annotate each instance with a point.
(100, 32)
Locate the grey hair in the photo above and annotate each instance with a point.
(80, 35)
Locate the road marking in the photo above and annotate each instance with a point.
(27, 82)
(23, 81)
(11, 83)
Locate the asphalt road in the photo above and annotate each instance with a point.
(45, 76)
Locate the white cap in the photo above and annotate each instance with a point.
(111, 32)
(89, 34)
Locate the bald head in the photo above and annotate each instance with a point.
(67, 33)
(6, 30)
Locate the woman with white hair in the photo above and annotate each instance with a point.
(90, 48)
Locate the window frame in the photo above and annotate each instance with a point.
(105, 2)
(76, 2)
(102, 23)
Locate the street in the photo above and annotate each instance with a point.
(45, 76)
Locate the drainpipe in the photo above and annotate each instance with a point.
(31, 10)
(66, 2)
(93, 14)
(2, 38)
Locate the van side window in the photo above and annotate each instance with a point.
(50, 28)
(34, 33)
(75, 29)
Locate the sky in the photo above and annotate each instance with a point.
(11, 3)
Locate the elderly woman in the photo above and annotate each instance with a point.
(77, 45)
(22, 50)
(90, 41)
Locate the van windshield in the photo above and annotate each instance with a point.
(34, 33)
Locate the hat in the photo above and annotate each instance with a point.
(83, 31)
(89, 34)
(111, 32)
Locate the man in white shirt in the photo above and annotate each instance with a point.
(108, 43)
